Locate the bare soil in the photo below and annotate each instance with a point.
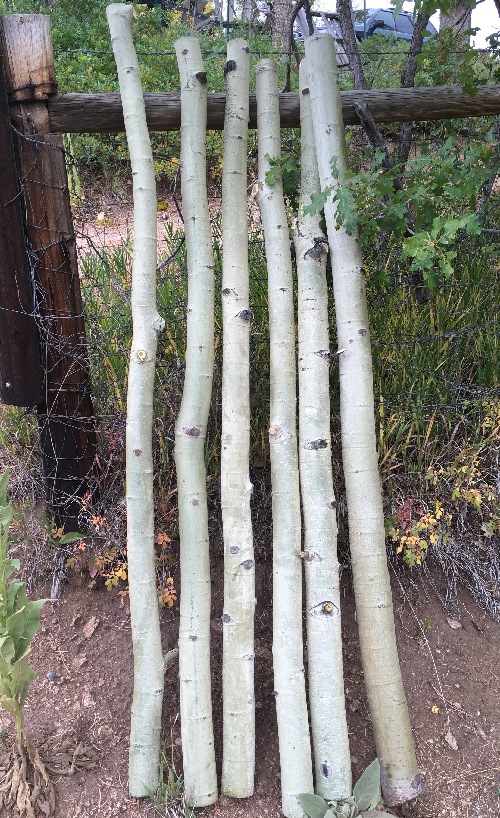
(452, 679)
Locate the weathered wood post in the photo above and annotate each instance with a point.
(65, 413)
(20, 363)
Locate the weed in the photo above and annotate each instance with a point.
(26, 782)
(168, 799)
(364, 800)
(414, 529)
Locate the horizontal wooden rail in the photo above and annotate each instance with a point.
(102, 113)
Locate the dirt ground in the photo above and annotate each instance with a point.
(451, 674)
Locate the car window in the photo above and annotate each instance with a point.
(404, 24)
(386, 18)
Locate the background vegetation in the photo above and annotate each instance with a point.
(432, 298)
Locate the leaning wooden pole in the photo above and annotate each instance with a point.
(332, 761)
(384, 685)
(21, 373)
(66, 416)
(288, 651)
(145, 727)
(238, 757)
(200, 780)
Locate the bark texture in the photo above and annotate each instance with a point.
(387, 701)
(144, 754)
(332, 762)
(200, 780)
(102, 113)
(238, 760)
(288, 658)
(459, 19)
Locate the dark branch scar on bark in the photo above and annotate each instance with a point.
(234, 549)
(314, 445)
(309, 556)
(362, 332)
(319, 247)
(226, 618)
(247, 564)
(227, 291)
(326, 354)
(201, 77)
(229, 66)
(192, 431)
(326, 770)
(305, 91)
(334, 504)
(137, 452)
(195, 502)
(193, 638)
(245, 315)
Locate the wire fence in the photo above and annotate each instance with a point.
(436, 354)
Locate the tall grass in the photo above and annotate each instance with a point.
(436, 363)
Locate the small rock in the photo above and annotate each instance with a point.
(87, 700)
(90, 626)
(78, 662)
(51, 675)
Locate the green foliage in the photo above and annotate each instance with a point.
(84, 63)
(285, 169)
(19, 621)
(366, 796)
(416, 204)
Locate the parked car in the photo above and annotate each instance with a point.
(382, 21)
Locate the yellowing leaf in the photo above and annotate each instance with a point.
(434, 709)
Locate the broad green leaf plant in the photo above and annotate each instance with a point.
(19, 621)
(366, 796)
(432, 207)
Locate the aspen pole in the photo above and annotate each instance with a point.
(20, 363)
(200, 779)
(332, 762)
(384, 684)
(145, 727)
(66, 415)
(238, 759)
(288, 651)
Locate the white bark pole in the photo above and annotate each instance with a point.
(200, 780)
(238, 760)
(387, 701)
(145, 728)
(288, 658)
(332, 762)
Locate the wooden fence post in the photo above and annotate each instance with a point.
(20, 362)
(66, 417)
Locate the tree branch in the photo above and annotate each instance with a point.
(408, 81)
(344, 10)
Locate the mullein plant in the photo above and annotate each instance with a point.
(364, 800)
(26, 785)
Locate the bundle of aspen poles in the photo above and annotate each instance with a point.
(300, 465)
